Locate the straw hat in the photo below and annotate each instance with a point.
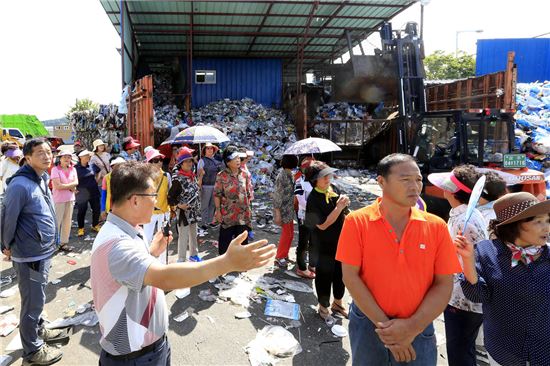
(514, 207)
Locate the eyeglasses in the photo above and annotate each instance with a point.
(155, 161)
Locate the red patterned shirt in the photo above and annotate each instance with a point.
(233, 190)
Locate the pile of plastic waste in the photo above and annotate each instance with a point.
(106, 124)
(533, 123)
(346, 133)
(166, 112)
(254, 127)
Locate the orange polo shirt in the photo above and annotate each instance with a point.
(397, 273)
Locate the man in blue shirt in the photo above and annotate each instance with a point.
(29, 234)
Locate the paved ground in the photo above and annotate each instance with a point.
(211, 335)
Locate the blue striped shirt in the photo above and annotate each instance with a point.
(516, 304)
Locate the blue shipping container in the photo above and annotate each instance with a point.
(237, 78)
(532, 57)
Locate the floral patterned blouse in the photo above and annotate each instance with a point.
(475, 232)
(234, 193)
(283, 196)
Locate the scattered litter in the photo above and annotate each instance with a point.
(55, 281)
(8, 324)
(8, 293)
(70, 310)
(339, 331)
(211, 319)
(88, 238)
(243, 315)
(182, 292)
(71, 262)
(83, 308)
(272, 342)
(294, 324)
(6, 280)
(206, 295)
(330, 321)
(88, 319)
(239, 292)
(5, 360)
(5, 308)
(282, 309)
(71, 254)
(181, 317)
(296, 286)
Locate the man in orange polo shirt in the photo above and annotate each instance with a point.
(397, 263)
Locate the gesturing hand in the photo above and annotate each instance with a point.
(244, 257)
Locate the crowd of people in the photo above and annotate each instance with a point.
(402, 266)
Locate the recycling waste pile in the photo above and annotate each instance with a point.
(166, 112)
(533, 123)
(533, 126)
(105, 124)
(351, 133)
(254, 127)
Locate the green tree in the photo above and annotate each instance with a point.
(82, 105)
(441, 66)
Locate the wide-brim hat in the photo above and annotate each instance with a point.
(152, 154)
(64, 152)
(116, 161)
(209, 144)
(184, 153)
(85, 153)
(97, 143)
(130, 144)
(514, 207)
(448, 182)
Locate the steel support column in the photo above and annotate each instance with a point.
(300, 64)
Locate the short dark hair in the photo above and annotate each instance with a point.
(130, 178)
(384, 166)
(228, 151)
(467, 175)
(30, 144)
(289, 161)
(507, 233)
(495, 187)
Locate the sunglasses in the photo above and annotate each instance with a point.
(155, 161)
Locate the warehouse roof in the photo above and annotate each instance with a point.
(252, 28)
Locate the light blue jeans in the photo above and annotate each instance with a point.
(368, 350)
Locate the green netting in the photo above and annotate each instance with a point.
(28, 124)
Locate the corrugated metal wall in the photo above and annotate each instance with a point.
(259, 79)
(532, 57)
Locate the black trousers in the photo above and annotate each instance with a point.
(82, 207)
(461, 329)
(305, 244)
(228, 234)
(328, 276)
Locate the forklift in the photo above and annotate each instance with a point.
(438, 139)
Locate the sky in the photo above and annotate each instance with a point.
(55, 51)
